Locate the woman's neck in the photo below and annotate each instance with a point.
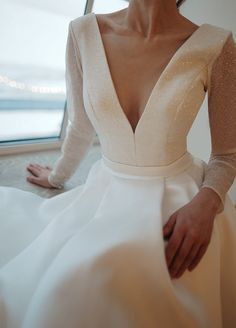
(150, 17)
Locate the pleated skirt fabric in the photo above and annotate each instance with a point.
(94, 256)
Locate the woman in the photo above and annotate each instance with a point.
(149, 240)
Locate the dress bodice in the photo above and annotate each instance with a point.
(161, 133)
(160, 136)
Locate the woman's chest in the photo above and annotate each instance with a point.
(135, 66)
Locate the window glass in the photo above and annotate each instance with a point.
(32, 64)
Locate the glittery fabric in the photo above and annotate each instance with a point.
(80, 132)
(221, 170)
(206, 61)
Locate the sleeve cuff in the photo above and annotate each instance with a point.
(53, 183)
(222, 203)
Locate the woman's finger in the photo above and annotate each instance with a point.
(198, 257)
(33, 164)
(173, 245)
(181, 255)
(33, 179)
(42, 167)
(49, 167)
(188, 260)
(169, 226)
(35, 171)
(38, 166)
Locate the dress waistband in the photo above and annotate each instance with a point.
(173, 168)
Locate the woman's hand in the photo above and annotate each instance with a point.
(190, 229)
(39, 175)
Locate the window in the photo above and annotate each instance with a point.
(32, 64)
(32, 68)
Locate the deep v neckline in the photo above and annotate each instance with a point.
(164, 71)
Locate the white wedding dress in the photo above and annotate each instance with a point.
(94, 256)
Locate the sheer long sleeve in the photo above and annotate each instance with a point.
(221, 167)
(79, 132)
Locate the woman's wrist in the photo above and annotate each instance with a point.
(210, 197)
(53, 184)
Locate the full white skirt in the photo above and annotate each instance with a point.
(94, 256)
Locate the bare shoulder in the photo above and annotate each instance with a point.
(110, 21)
(81, 22)
(113, 22)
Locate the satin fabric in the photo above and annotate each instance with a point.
(94, 256)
